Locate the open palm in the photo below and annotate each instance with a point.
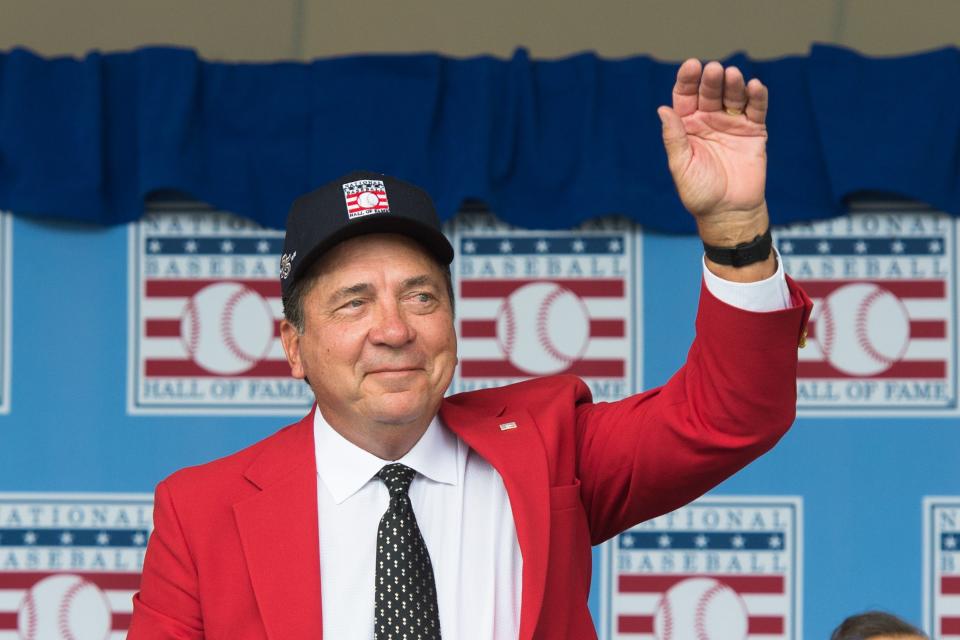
(715, 139)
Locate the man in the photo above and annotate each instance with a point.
(391, 512)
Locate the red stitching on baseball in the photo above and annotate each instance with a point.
(665, 608)
(191, 341)
(700, 620)
(506, 343)
(63, 615)
(226, 330)
(826, 339)
(544, 335)
(861, 328)
(31, 610)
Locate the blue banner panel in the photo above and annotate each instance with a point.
(70, 563)
(721, 567)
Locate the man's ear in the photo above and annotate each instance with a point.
(290, 338)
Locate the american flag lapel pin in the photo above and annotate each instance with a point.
(506, 426)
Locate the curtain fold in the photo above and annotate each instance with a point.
(543, 143)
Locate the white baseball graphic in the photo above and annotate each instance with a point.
(701, 609)
(863, 329)
(227, 328)
(542, 328)
(368, 200)
(64, 607)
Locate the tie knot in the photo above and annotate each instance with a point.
(397, 477)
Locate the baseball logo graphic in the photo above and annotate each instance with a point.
(863, 329)
(368, 200)
(227, 328)
(64, 607)
(700, 609)
(542, 328)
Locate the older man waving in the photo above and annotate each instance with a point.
(391, 512)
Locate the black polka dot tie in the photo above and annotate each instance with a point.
(406, 594)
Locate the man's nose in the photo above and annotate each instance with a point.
(390, 326)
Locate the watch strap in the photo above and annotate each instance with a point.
(757, 250)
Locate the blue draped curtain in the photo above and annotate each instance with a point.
(544, 143)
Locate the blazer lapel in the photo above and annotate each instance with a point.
(279, 533)
(511, 443)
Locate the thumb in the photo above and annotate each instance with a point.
(674, 140)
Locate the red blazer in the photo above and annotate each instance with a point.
(235, 549)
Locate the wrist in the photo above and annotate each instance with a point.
(727, 230)
(730, 228)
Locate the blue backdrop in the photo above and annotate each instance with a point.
(852, 473)
(89, 310)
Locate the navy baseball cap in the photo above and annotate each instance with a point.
(358, 203)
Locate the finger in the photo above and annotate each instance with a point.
(734, 90)
(757, 97)
(686, 87)
(674, 140)
(711, 88)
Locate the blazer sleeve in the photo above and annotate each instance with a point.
(167, 605)
(733, 399)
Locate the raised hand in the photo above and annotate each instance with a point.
(715, 139)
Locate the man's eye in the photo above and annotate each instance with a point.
(422, 297)
(354, 304)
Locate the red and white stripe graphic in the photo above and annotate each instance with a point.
(586, 337)
(948, 607)
(175, 341)
(27, 610)
(923, 310)
(641, 598)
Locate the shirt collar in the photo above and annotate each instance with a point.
(345, 468)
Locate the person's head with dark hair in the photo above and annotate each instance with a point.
(876, 625)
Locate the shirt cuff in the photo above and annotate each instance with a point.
(771, 294)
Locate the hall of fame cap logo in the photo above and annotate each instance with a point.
(941, 566)
(205, 311)
(882, 335)
(70, 563)
(721, 568)
(537, 303)
(6, 264)
(365, 197)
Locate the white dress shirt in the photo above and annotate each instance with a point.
(462, 509)
(771, 294)
(464, 515)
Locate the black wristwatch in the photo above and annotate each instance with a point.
(757, 250)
